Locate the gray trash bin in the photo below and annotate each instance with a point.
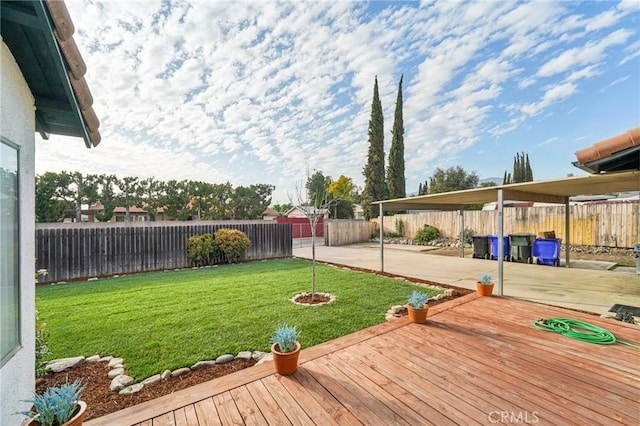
(636, 251)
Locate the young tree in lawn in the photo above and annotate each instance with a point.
(374, 182)
(314, 207)
(395, 172)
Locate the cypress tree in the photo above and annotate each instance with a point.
(395, 172)
(529, 176)
(374, 182)
(505, 180)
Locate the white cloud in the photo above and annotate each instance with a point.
(256, 92)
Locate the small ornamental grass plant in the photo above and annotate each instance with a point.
(56, 405)
(485, 279)
(417, 299)
(285, 337)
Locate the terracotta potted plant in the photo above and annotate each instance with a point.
(417, 307)
(58, 406)
(285, 349)
(484, 285)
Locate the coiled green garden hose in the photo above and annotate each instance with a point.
(579, 330)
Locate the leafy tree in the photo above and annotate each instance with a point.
(151, 194)
(374, 181)
(82, 190)
(201, 198)
(176, 199)
(452, 179)
(318, 187)
(282, 208)
(51, 197)
(106, 195)
(130, 194)
(248, 202)
(487, 184)
(395, 172)
(222, 201)
(343, 192)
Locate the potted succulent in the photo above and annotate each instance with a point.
(60, 406)
(285, 349)
(484, 285)
(417, 308)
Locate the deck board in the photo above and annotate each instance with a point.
(476, 357)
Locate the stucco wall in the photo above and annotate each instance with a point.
(17, 124)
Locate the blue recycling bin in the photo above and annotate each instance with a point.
(494, 247)
(547, 251)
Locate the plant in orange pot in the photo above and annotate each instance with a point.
(417, 307)
(484, 285)
(58, 406)
(285, 349)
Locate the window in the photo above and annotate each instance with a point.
(9, 252)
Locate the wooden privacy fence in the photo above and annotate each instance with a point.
(339, 232)
(83, 250)
(609, 225)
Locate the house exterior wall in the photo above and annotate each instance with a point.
(17, 124)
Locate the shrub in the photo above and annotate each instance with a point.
(417, 299)
(56, 405)
(399, 227)
(426, 234)
(42, 348)
(233, 243)
(467, 235)
(285, 337)
(203, 250)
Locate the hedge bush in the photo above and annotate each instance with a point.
(426, 234)
(233, 243)
(203, 250)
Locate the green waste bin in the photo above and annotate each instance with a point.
(521, 247)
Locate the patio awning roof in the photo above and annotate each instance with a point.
(546, 191)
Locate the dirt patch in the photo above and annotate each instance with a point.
(308, 299)
(101, 401)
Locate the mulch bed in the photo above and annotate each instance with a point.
(101, 401)
(316, 300)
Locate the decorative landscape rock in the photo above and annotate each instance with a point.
(151, 380)
(244, 355)
(265, 358)
(165, 374)
(105, 359)
(120, 382)
(115, 372)
(115, 361)
(118, 366)
(131, 389)
(257, 355)
(223, 359)
(58, 365)
(180, 371)
(201, 364)
(94, 358)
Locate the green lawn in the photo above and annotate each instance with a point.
(165, 320)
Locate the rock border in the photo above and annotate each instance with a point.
(126, 385)
(332, 298)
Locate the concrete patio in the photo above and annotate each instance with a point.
(590, 290)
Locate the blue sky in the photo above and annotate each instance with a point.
(256, 92)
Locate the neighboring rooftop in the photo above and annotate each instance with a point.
(621, 152)
(39, 35)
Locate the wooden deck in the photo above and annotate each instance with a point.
(476, 361)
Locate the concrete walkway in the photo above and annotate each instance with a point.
(588, 290)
